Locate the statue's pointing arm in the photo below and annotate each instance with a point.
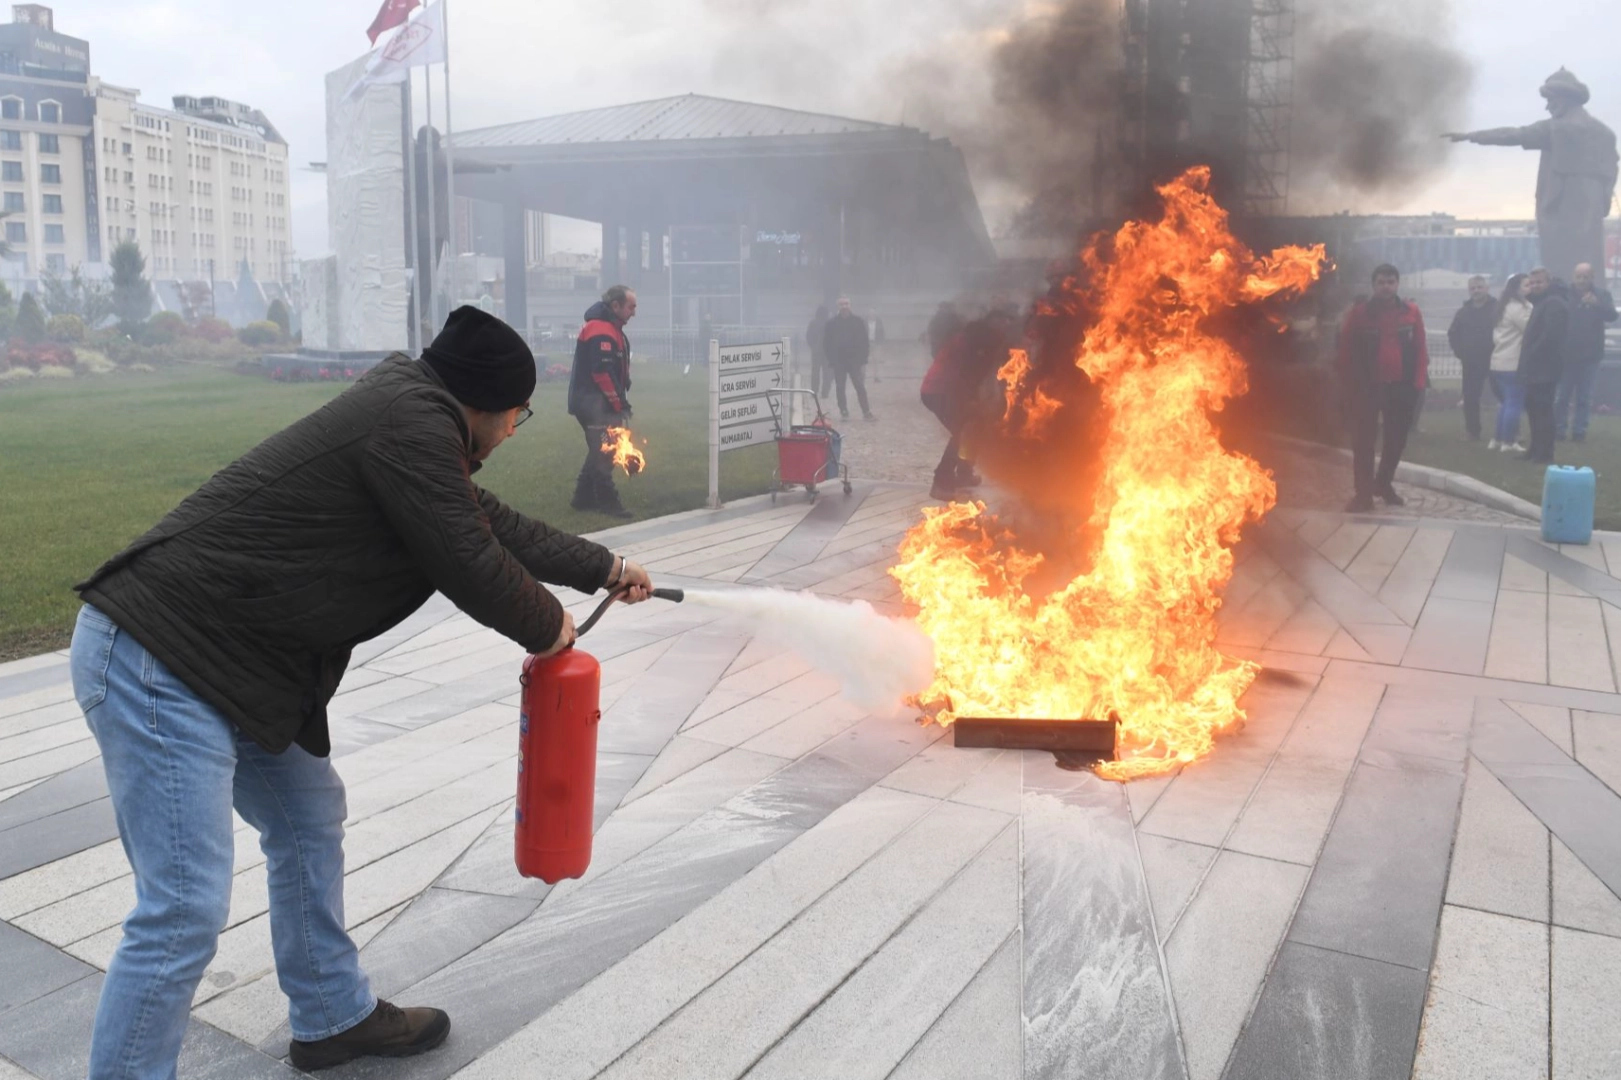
(1537, 136)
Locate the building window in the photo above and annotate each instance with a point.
(16, 232)
(49, 144)
(56, 264)
(50, 112)
(53, 204)
(11, 171)
(11, 108)
(14, 202)
(50, 174)
(11, 140)
(54, 235)
(129, 151)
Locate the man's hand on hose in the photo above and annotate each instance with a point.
(635, 580)
(565, 637)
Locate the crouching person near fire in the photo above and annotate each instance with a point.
(1384, 362)
(207, 651)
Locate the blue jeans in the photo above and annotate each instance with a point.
(175, 768)
(1512, 391)
(1576, 383)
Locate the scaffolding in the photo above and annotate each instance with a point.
(1269, 94)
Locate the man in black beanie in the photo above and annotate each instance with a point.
(207, 651)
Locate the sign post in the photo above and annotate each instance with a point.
(742, 411)
(714, 424)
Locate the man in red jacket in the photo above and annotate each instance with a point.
(1384, 362)
(599, 396)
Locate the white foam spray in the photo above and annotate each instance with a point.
(877, 659)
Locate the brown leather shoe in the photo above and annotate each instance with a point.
(389, 1031)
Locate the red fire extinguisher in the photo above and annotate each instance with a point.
(557, 757)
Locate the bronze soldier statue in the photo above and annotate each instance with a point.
(1576, 180)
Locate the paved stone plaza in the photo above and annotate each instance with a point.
(1406, 863)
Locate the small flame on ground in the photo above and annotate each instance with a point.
(616, 441)
(1135, 633)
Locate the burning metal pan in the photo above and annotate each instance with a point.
(1077, 744)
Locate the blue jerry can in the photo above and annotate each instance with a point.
(1567, 504)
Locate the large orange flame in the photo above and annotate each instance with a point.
(616, 441)
(1134, 634)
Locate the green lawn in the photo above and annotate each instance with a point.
(1441, 443)
(90, 464)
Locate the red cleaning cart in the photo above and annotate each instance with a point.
(807, 454)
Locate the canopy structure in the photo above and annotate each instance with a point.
(813, 200)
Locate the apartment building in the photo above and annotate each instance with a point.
(202, 187)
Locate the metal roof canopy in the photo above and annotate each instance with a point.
(892, 193)
(676, 125)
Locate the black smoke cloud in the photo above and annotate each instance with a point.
(1036, 96)
(1376, 85)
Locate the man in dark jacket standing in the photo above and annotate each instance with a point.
(1470, 336)
(1542, 360)
(599, 396)
(207, 651)
(847, 346)
(1384, 362)
(1590, 308)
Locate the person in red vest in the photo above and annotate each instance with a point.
(599, 396)
(1384, 363)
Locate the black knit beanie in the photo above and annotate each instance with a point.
(484, 363)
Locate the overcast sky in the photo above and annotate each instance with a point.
(515, 59)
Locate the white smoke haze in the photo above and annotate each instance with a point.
(878, 660)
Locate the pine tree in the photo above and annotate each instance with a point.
(30, 320)
(132, 293)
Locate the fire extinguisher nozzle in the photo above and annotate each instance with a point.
(674, 596)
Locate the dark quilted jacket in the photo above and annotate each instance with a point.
(254, 590)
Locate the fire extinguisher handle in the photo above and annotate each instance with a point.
(673, 595)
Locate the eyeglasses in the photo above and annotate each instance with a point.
(524, 413)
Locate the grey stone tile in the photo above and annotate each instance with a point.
(1095, 999)
(1500, 858)
(33, 969)
(1565, 568)
(437, 928)
(1487, 1015)
(79, 785)
(568, 943)
(850, 985)
(1173, 870)
(1580, 900)
(1327, 1016)
(39, 678)
(51, 1039)
(1422, 723)
(1586, 982)
(1472, 686)
(809, 537)
(594, 926)
(1378, 885)
(1326, 583)
(668, 692)
(1221, 949)
(978, 1036)
(35, 843)
(1576, 807)
(1451, 635)
(1472, 567)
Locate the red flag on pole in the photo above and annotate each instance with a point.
(393, 13)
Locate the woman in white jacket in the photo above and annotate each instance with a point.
(1513, 315)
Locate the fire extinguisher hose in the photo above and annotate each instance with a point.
(675, 596)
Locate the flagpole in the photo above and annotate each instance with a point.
(433, 206)
(450, 160)
(413, 331)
